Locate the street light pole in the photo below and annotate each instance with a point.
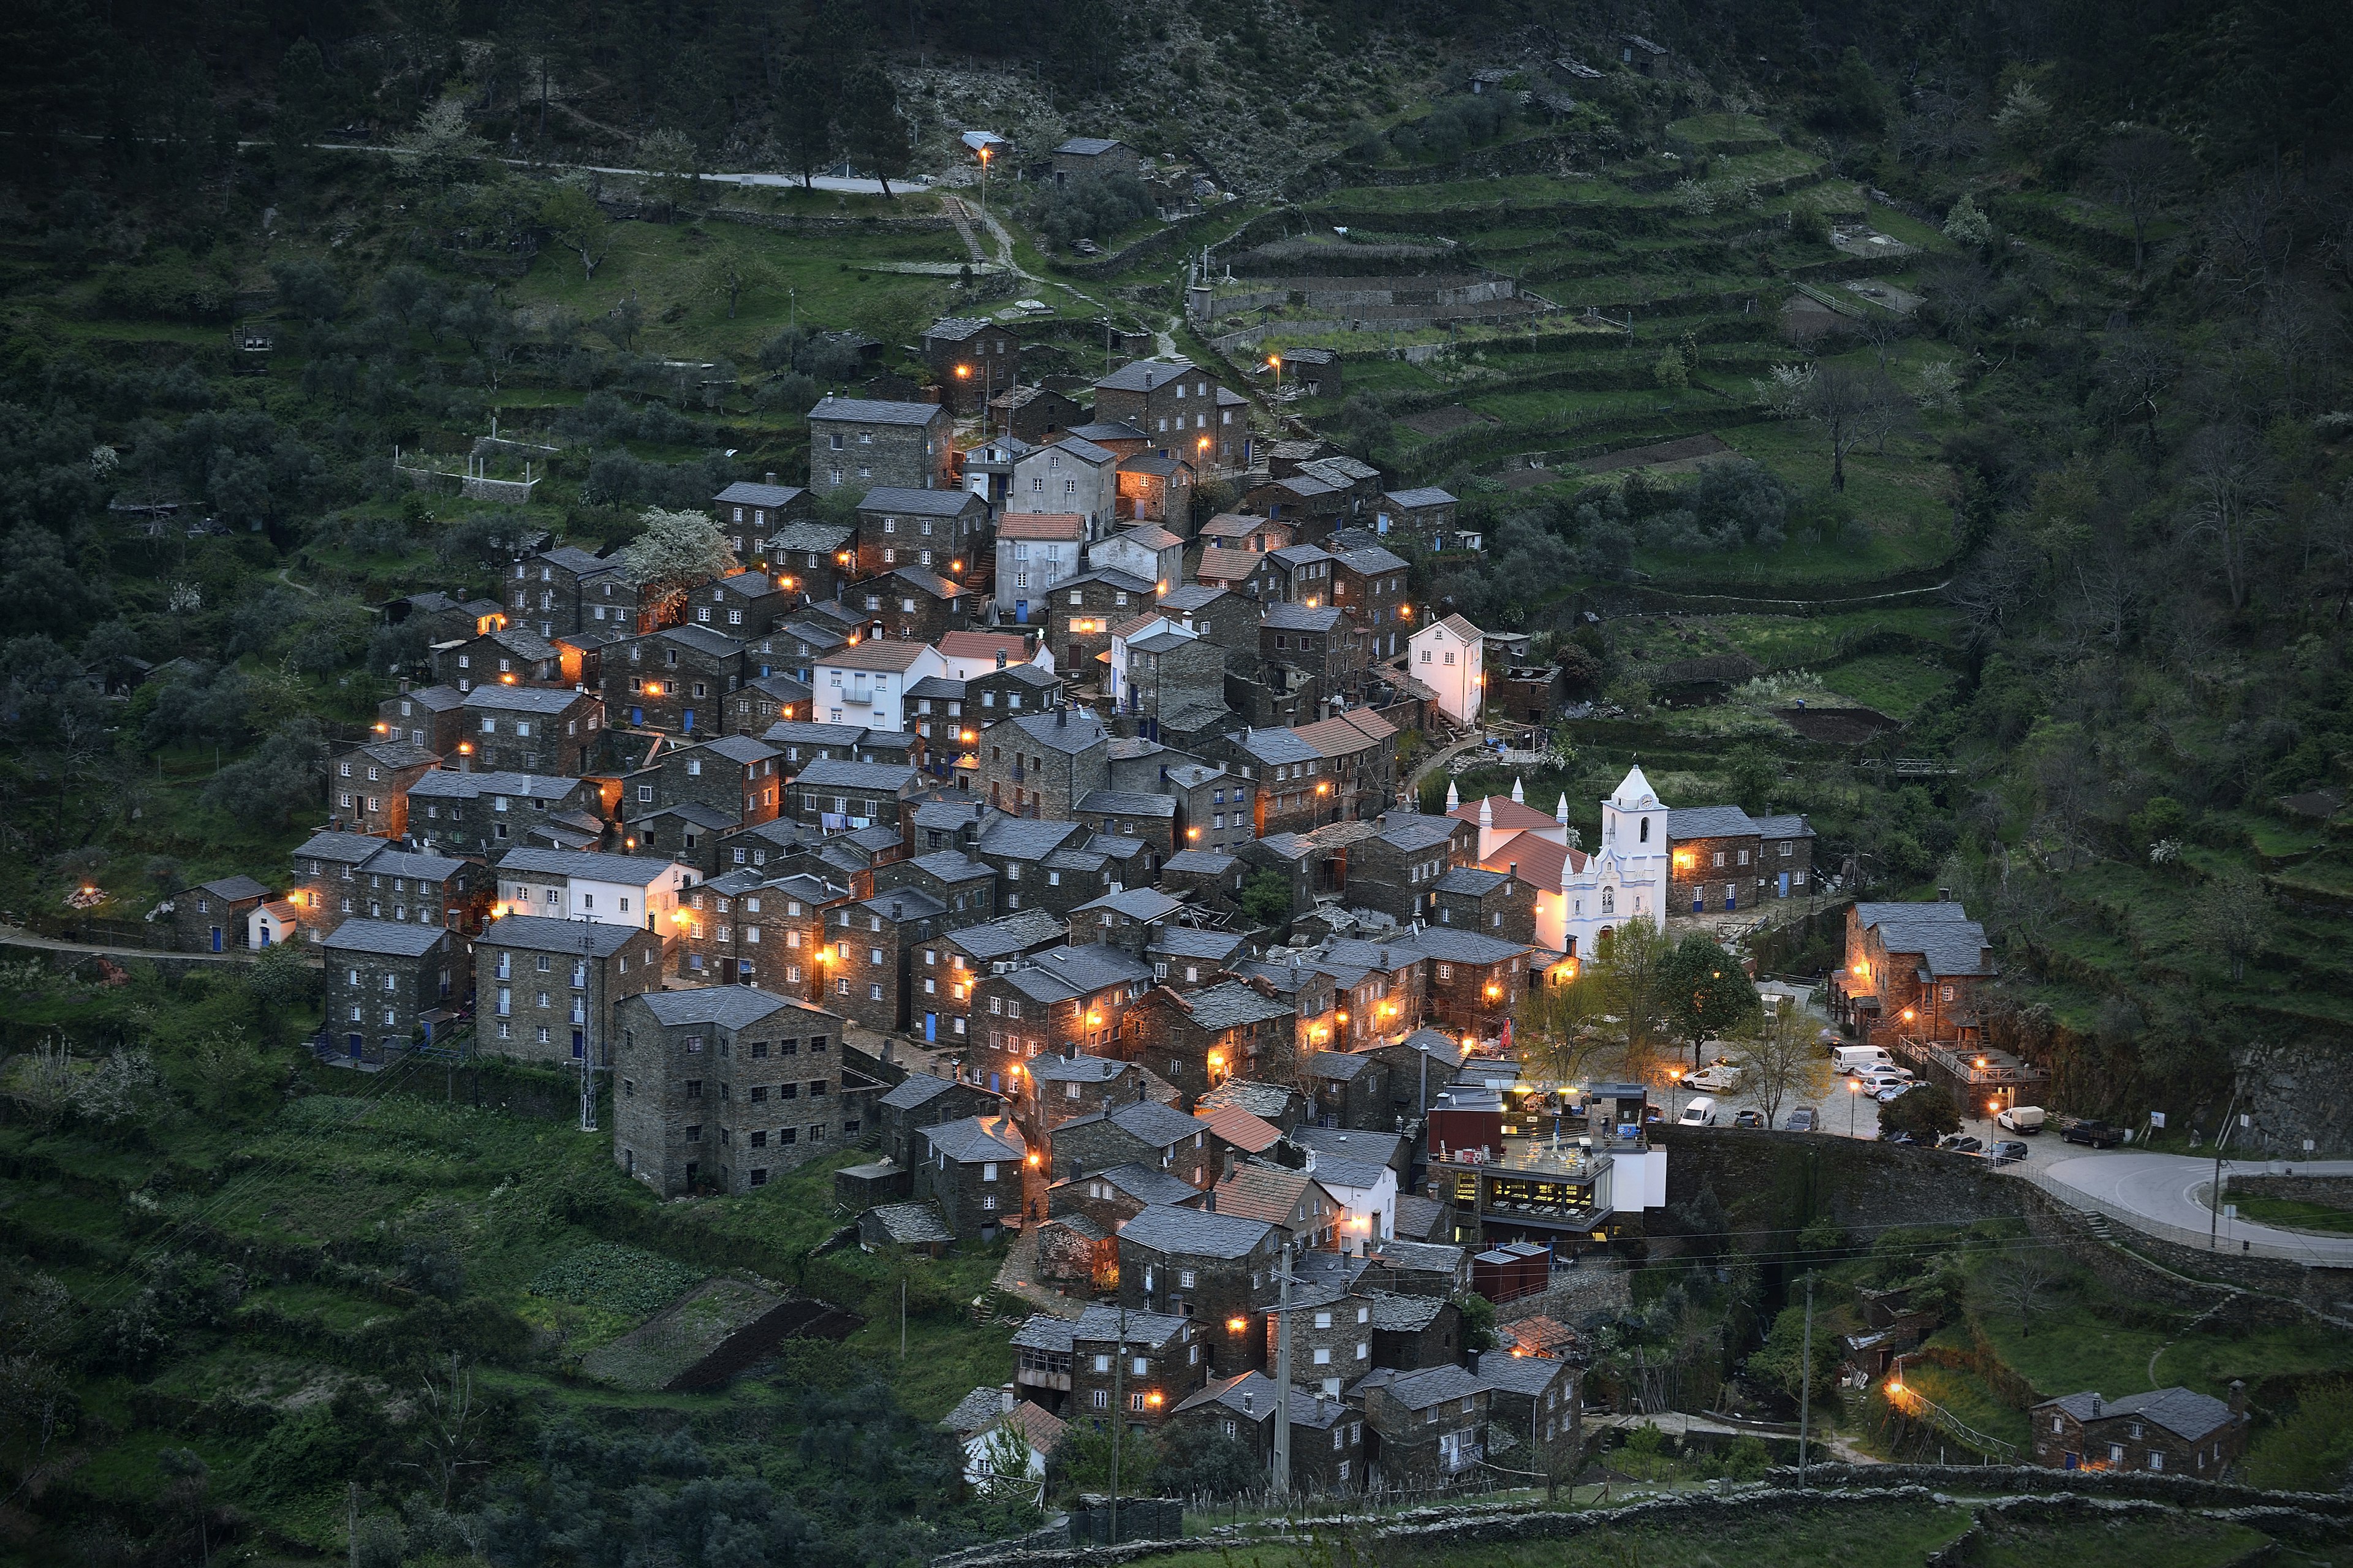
(1806, 1380)
(1853, 1093)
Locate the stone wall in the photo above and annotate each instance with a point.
(1787, 1180)
(2288, 1089)
(2334, 1192)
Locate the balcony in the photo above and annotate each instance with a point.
(1981, 1068)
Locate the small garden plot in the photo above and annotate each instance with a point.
(1898, 684)
(2036, 1537)
(616, 1278)
(651, 1356)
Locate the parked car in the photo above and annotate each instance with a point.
(1750, 1119)
(1715, 1079)
(2007, 1152)
(1805, 1119)
(2097, 1134)
(1890, 1135)
(1859, 1058)
(1700, 1112)
(1893, 1091)
(2025, 1119)
(1960, 1143)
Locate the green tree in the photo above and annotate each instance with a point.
(1708, 995)
(1081, 1462)
(1632, 970)
(1266, 898)
(1926, 1112)
(729, 274)
(2238, 919)
(1478, 1319)
(576, 223)
(675, 164)
(872, 125)
(1197, 1460)
(806, 101)
(1780, 1361)
(1859, 100)
(676, 550)
(1670, 373)
(1557, 1027)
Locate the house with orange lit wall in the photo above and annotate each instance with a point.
(1912, 969)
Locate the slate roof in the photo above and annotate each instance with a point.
(1361, 1175)
(234, 889)
(1079, 1069)
(728, 1006)
(1404, 1314)
(874, 411)
(1780, 826)
(1211, 862)
(1289, 617)
(1433, 1386)
(1357, 1146)
(1010, 934)
(749, 494)
(1088, 146)
(1092, 967)
(335, 845)
(1463, 628)
(1190, 1231)
(1230, 1004)
(913, 501)
(541, 934)
(911, 1225)
(802, 731)
(1474, 880)
(977, 1140)
(1266, 1193)
(397, 939)
(917, 1089)
(1339, 1066)
(832, 773)
(1410, 831)
(1125, 803)
(1146, 1185)
(1526, 1374)
(1437, 1044)
(1949, 943)
(1422, 1257)
(1193, 596)
(1081, 732)
(1103, 430)
(1273, 747)
(1418, 1217)
(1370, 561)
(956, 329)
(2184, 1412)
(1261, 1099)
(1186, 941)
(637, 870)
(1147, 1120)
(824, 537)
(1100, 1322)
(1709, 822)
(977, 1412)
(1452, 946)
(1145, 375)
(737, 748)
(449, 784)
(906, 904)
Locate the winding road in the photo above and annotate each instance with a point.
(2166, 1195)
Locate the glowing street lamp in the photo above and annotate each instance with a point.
(1853, 1093)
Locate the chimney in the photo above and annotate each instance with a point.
(1230, 1165)
(1209, 1201)
(1061, 718)
(2238, 1397)
(772, 478)
(2095, 1407)
(1001, 658)
(1511, 869)
(895, 909)
(1250, 1402)
(404, 685)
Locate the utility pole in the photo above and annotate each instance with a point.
(1806, 1380)
(2214, 1193)
(1282, 1376)
(902, 1317)
(1118, 1414)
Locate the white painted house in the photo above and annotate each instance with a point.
(1035, 551)
(1367, 1192)
(1450, 658)
(866, 683)
(1148, 551)
(583, 885)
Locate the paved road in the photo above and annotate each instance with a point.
(2164, 1193)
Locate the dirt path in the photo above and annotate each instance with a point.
(17, 936)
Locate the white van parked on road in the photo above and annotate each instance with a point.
(1700, 1112)
(1859, 1058)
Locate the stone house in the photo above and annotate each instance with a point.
(1160, 1360)
(2173, 1430)
(813, 559)
(1181, 411)
(1293, 795)
(211, 917)
(861, 444)
(912, 604)
(1309, 505)
(834, 795)
(432, 717)
(1011, 689)
(389, 985)
(1423, 517)
(1912, 969)
(1348, 1089)
(1493, 903)
(1359, 751)
(1217, 1269)
(735, 774)
(1199, 1040)
(1155, 487)
(546, 989)
(718, 1087)
(937, 528)
(1410, 1332)
(1063, 1085)
(1425, 1428)
(531, 729)
(1035, 553)
(1331, 1338)
(1374, 586)
(502, 657)
(1149, 819)
(871, 960)
(1419, 1064)
(1190, 957)
(1537, 1400)
(1095, 157)
(1292, 1201)
(1214, 810)
(464, 812)
(1115, 1194)
(676, 680)
(1035, 414)
(1080, 613)
(1295, 574)
(1170, 673)
(1315, 371)
(1327, 1433)
(400, 885)
(972, 358)
(1146, 1133)
(743, 605)
(922, 1100)
(1042, 764)
(1396, 868)
(972, 1168)
(748, 514)
(1380, 987)
(1059, 1000)
(367, 786)
(1476, 982)
(1131, 918)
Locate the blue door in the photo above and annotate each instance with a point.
(1731, 899)
(1699, 900)
(637, 715)
(352, 1044)
(930, 1028)
(578, 1045)
(216, 939)
(1021, 611)
(1785, 884)
(995, 1086)
(690, 719)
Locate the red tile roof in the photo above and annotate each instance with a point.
(1063, 526)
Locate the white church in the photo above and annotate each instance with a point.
(1581, 896)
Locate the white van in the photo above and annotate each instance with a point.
(2022, 1119)
(1859, 1058)
(1700, 1112)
